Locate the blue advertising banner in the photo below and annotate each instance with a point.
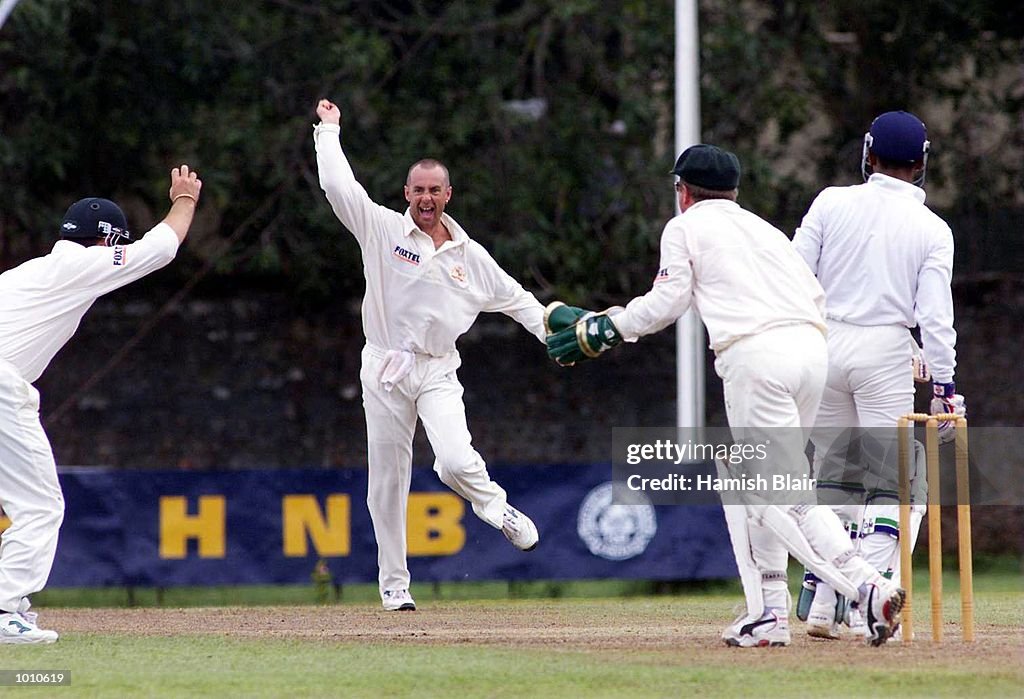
(162, 529)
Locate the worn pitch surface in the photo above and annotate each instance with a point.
(672, 631)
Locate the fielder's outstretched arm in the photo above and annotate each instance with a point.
(103, 269)
(667, 300)
(184, 194)
(509, 297)
(670, 295)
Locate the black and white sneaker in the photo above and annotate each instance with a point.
(398, 601)
(771, 630)
(881, 605)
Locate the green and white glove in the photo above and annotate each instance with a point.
(558, 316)
(587, 339)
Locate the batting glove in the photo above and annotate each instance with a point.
(918, 364)
(947, 401)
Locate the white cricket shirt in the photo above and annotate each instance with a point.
(884, 258)
(418, 298)
(739, 272)
(42, 301)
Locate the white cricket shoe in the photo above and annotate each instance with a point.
(21, 628)
(771, 630)
(881, 603)
(821, 623)
(398, 601)
(821, 615)
(519, 529)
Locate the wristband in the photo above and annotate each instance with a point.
(944, 390)
(185, 194)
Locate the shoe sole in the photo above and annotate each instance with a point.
(529, 548)
(15, 640)
(407, 607)
(822, 632)
(536, 533)
(733, 643)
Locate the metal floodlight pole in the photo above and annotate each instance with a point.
(689, 330)
(6, 8)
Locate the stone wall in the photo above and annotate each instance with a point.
(247, 381)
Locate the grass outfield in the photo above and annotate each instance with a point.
(991, 574)
(655, 646)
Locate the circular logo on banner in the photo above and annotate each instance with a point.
(616, 530)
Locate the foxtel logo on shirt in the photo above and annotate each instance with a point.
(662, 275)
(120, 255)
(406, 256)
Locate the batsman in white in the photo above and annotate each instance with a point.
(885, 261)
(426, 282)
(764, 314)
(42, 302)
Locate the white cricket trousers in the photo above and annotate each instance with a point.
(432, 392)
(29, 493)
(774, 380)
(773, 383)
(870, 386)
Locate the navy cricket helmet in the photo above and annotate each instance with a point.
(91, 218)
(899, 138)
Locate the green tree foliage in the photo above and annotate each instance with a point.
(554, 116)
(793, 86)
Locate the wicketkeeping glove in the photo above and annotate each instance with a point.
(587, 339)
(947, 400)
(558, 316)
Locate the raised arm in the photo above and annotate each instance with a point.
(104, 269)
(350, 202)
(184, 194)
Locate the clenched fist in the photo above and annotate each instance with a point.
(328, 112)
